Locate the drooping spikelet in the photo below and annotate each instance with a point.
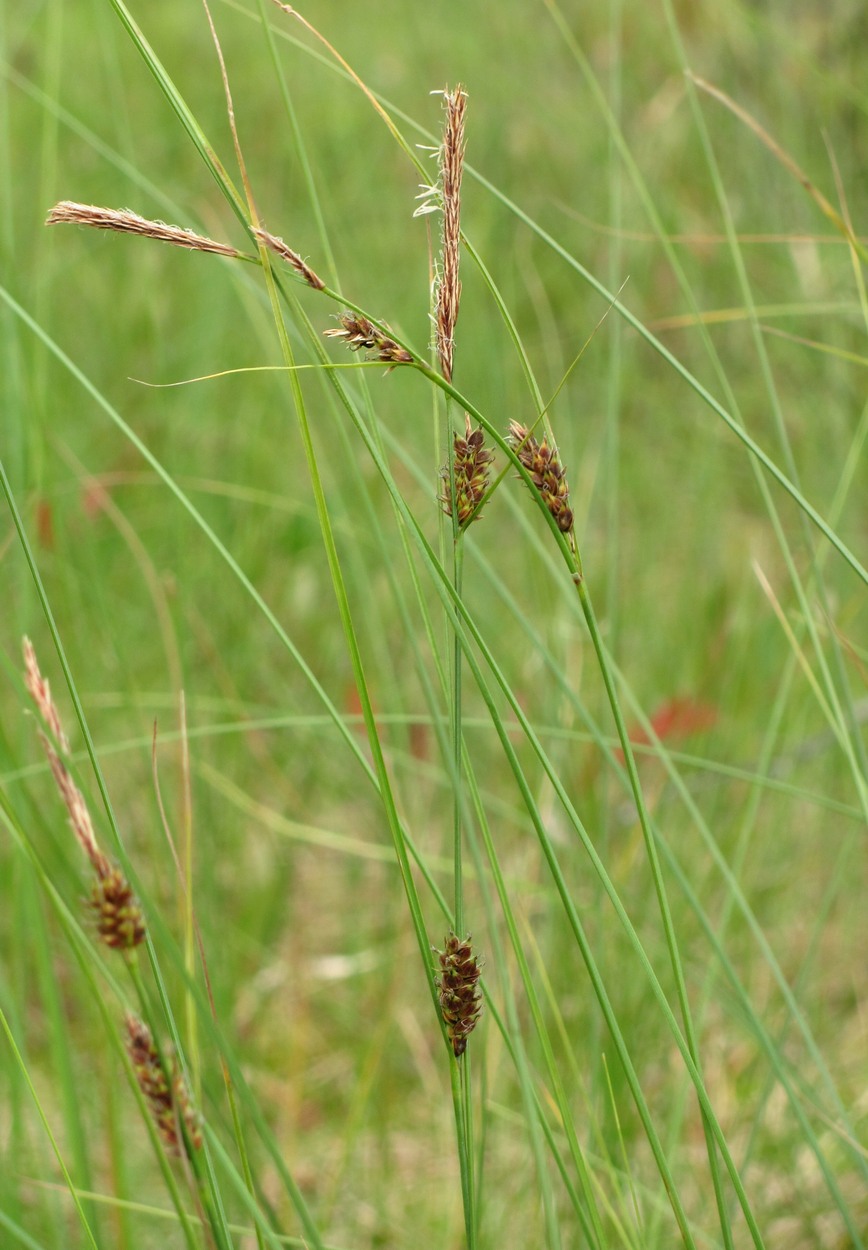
(120, 922)
(358, 332)
(292, 258)
(470, 468)
(168, 1098)
(123, 221)
(460, 1003)
(546, 472)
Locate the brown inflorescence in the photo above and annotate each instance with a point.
(358, 332)
(286, 253)
(123, 221)
(546, 472)
(459, 998)
(168, 1099)
(120, 922)
(451, 169)
(470, 468)
(119, 919)
(40, 692)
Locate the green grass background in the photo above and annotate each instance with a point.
(316, 977)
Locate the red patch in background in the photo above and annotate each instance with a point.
(675, 719)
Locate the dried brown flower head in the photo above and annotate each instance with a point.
(286, 253)
(448, 285)
(120, 922)
(119, 919)
(358, 332)
(460, 1003)
(168, 1099)
(470, 468)
(40, 692)
(122, 221)
(546, 472)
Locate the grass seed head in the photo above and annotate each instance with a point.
(120, 922)
(451, 170)
(168, 1098)
(546, 472)
(119, 919)
(40, 692)
(286, 253)
(460, 1003)
(358, 332)
(122, 221)
(470, 471)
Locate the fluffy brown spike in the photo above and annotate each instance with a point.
(122, 221)
(451, 170)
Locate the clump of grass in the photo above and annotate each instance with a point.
(458, 990)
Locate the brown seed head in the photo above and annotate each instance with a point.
(122, 221)
(79, 816)
(359, 332)
(119, 919)
(460, 1003)
(166, 1103)
(451, 170)
(470, 470)
(286, 253)
(546, 472)
(40, 692)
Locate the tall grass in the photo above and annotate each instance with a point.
(524, 638)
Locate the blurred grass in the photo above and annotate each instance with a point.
(316, 979)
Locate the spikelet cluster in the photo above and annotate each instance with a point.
(285, 252)
(460, 1003)
(119, 919)
(470, 471)
(123, 221)
(167, 1096)
(358, 332)
(546, 472)
(451, 169)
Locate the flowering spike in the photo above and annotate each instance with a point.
(120, 922)
(469, 473)
(451, 169)
(168, 1099)
(358, 332)
(67, 212)
(546, 472)
(459, 995)
(281, 249)
(119, 919)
